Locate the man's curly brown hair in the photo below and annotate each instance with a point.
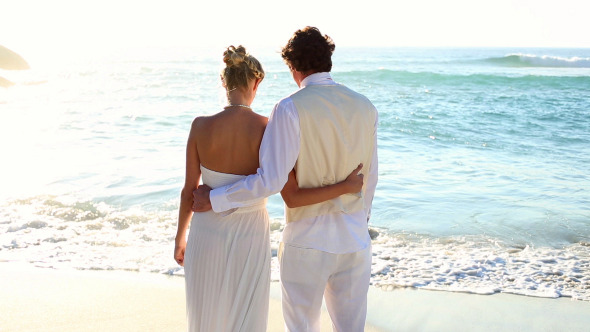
(309, 50)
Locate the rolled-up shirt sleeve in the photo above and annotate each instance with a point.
(279, 150)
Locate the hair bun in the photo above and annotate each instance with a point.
(234, 56)
(240, 67)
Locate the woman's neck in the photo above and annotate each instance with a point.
(237, 97)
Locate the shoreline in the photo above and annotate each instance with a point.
(35, 298)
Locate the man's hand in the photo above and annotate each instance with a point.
(201, 201)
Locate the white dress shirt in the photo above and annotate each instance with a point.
(336, 233)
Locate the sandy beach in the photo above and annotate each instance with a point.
(41, 299)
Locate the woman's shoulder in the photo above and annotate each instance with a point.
(200, 121)
(261, 118)
(203, 125)
(225, 120)
(207, 120)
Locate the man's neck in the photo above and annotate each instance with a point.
(300, 76)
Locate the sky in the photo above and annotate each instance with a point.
(58, 26)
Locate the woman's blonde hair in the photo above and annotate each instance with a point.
(240, 67)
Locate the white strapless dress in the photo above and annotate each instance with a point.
(227, 266)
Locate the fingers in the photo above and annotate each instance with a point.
(179, 256)
(201, 208)
(358, 168)
(201, 201)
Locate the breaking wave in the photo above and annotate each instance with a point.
(530, 60)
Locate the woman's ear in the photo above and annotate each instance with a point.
(256, 83)
(223, 82)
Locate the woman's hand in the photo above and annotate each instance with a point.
(354, 181)
(179, 248)
(297, 197)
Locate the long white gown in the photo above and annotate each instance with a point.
(227, 266)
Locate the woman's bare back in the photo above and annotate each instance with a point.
(229, 141)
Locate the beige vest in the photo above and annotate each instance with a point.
(337, 133)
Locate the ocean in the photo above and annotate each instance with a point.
(484, 174)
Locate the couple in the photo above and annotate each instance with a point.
(306, 150)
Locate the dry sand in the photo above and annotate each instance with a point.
(40, 299)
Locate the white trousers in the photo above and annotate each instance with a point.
(307, 275)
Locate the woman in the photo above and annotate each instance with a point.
(227, 259)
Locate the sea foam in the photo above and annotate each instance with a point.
(480, 265)
(83, 235)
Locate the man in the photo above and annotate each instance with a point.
(322, 131)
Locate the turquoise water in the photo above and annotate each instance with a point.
(483, 142)
(482, 149)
